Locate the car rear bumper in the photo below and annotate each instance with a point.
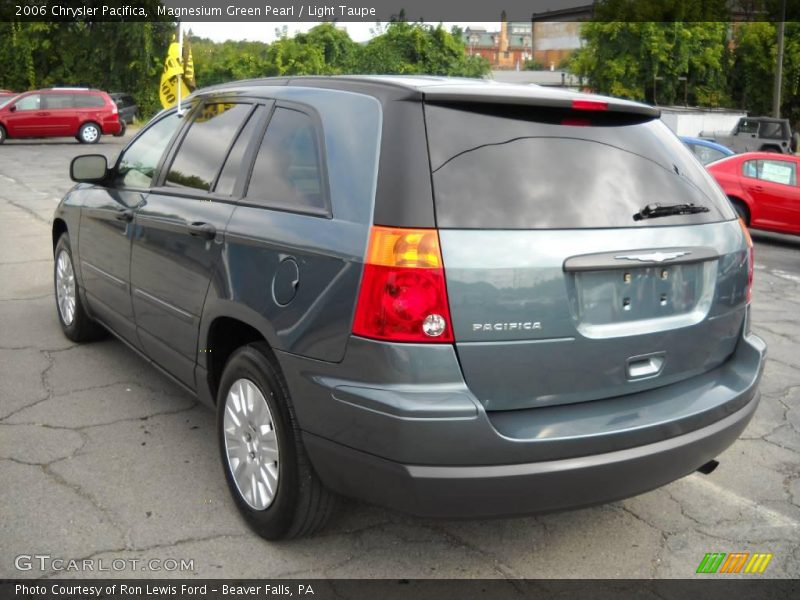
(426, 446)
(517, 489)
(111, 126)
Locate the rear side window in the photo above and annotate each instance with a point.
(527, 168)
(56, 101)
(206, 144)
(233, 164)
(774, 171)
(771, 130)
(288, 171)
(89, 101)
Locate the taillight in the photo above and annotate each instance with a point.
(750, 260)
(589, 105)
(403, 297)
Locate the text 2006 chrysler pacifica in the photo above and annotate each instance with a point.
(448, 297)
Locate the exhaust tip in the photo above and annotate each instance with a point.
(708, 468)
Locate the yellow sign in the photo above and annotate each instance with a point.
(175, 74)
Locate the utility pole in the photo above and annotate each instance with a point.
(776, 92)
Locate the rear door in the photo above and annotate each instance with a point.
(557, 292)
(179, 233)
(773, 183)
(58, 109)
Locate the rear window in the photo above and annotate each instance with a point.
(521, 168)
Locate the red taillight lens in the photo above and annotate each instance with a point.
(589, 105)
(403, 296)
(750, 260)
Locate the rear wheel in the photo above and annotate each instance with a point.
(89, 133)
(741, 210)
(76, 324)
(770, 149)
(795, 143)
(266, 467)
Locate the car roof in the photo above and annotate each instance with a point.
(707, 143)
(433, 88)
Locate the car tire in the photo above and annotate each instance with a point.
(774, 149)
(89, 133)
(122, 128)
(3, 134)
(795, 143)
(741, 210)
(75, 322)
(266, 467)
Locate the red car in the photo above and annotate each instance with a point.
(763, 188)
(59, 112)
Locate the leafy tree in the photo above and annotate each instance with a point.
(416, 48)
(644, 60)
(755, 57)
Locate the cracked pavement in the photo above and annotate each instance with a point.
(103, 457)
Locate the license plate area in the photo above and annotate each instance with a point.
(654, 296)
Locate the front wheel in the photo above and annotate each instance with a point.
(89, 133)
(3, 134)
(76, 324)
(266, 467)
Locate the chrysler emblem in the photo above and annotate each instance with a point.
(653, 256)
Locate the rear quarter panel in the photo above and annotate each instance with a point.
(328, 252)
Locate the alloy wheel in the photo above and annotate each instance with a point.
(251, 444)
(65, 287)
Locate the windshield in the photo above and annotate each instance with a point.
(6, 100)
(529, 171)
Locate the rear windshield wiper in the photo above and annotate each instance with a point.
(651, 211)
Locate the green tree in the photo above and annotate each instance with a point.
(755, 56)
(644, 60)
(416, 48)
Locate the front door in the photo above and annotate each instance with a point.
(107, 227)
(178, 240)
(26, 117)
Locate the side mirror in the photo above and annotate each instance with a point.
(89, 168)
(12, 108)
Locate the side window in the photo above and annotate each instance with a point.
(56, 101)
(288, 171)
(707, 155)
(778, 171)
(233, 164)
(88, 101)
(750, 168)
(31, 102)
(138, 164)
(771, 130)
(205, 145)
(746, 126)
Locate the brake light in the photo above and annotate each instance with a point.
(589, 105)
(403, 297)
(750, 260)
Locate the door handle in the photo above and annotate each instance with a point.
(758, 188)
(202, 230)
(124, 215)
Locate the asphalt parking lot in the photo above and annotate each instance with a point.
(101, 457)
